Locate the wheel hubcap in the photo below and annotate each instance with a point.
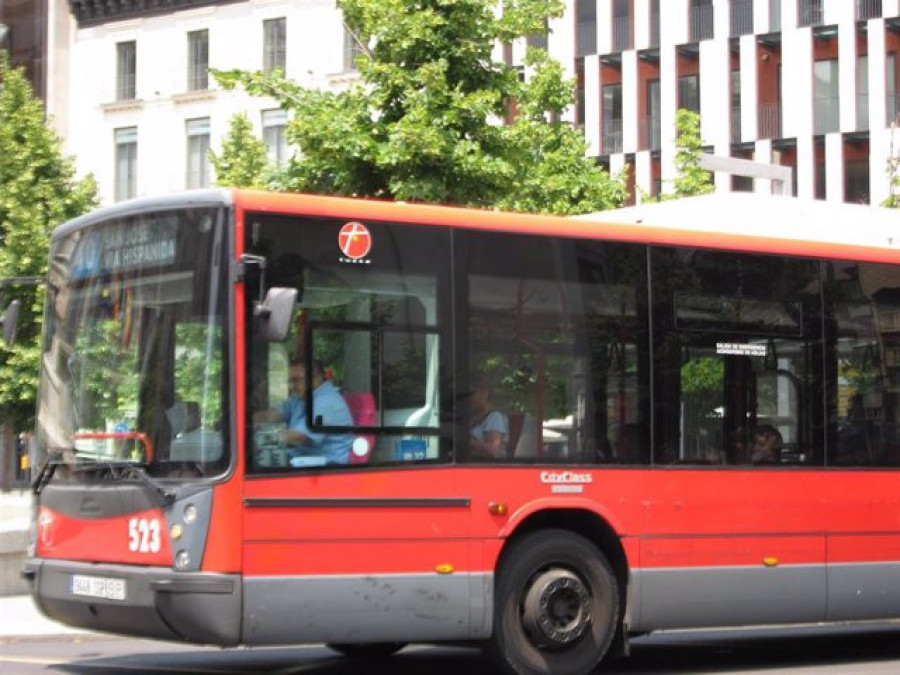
(556, 608)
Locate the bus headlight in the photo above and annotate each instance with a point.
(190, 514)
(182, 560)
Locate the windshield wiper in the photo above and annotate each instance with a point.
(118, 471)
(48, 468)
(125, 471)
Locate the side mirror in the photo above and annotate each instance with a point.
(277, 310)
(9, 322)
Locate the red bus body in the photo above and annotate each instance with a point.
(397, 552)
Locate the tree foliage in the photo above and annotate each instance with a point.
(893, 173)
(692, 179)
(423, 122)
(243, 161)
(38, 191)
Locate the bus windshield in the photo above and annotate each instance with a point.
(133, 368)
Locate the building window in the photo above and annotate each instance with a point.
(353, 47)
(197, 153)
(701, 20)
(273, 123)
(126, 70)
(653, 136)
(612, 119)
(741, 17)
(689, 92)
(862, 93)
(856, 181)
(890, 67)
(735, 106)
(198, 60)
(274, 45)
(125, 181)
(826, 105)
(586, 30)
(810, 13)
(539, 40)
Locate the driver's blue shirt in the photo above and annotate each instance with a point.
(328, 409)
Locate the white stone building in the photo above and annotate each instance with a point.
(811, 84)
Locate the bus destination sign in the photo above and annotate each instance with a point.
(141, 245)
(126, 246)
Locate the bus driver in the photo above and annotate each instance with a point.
(330, 409)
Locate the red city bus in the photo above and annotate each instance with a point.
(280, 419)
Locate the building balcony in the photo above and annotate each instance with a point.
(768, 120)
(826, 115)
(654, 29)
(650, 133)
(736, 124)
(586, 36)
(621, 33)
(701, 22)
(741, 18)
(868, 9)
(612, 137)
(810, 13)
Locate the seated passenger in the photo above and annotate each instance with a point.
(329, 409)
(490, 428)
(765, 445)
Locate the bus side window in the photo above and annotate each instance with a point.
(739, 358)
(863, 304)
(559, 329)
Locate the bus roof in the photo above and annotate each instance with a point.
(735, 221)
(767, 216)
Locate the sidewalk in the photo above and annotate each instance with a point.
(20, 617)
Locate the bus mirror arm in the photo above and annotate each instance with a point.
(277, 310)
(9, 322)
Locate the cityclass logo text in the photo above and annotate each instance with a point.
(566, 481)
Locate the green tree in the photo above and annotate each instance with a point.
(243, 161)
(423, 122)
(893, 173)
(38, 191)
(692, 179)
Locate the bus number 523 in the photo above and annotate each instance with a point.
(143, 535)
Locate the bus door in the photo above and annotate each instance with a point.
(862, 302)
(734, 529)
(351, 514)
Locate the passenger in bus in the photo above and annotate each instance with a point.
(765, 445)
(490, 428)
(304, 445)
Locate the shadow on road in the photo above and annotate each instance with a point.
(759, 651)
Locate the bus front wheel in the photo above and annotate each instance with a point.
(556, 605)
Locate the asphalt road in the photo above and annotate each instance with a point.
(870, 650)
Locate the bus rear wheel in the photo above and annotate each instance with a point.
(556, 606)
(371, 650)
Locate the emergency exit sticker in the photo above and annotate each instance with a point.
(355, 242)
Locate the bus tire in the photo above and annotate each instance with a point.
(556, 606)
(370, 650)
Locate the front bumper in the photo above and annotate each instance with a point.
(197, 607)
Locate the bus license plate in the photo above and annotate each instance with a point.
(97, 587)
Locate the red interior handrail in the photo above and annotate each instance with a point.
(120, 436)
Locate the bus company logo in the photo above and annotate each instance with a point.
(566, 481)
(355, 242)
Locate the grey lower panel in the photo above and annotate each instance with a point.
(727, 596)
(159, 603)
(374, 608)
(863, 591)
